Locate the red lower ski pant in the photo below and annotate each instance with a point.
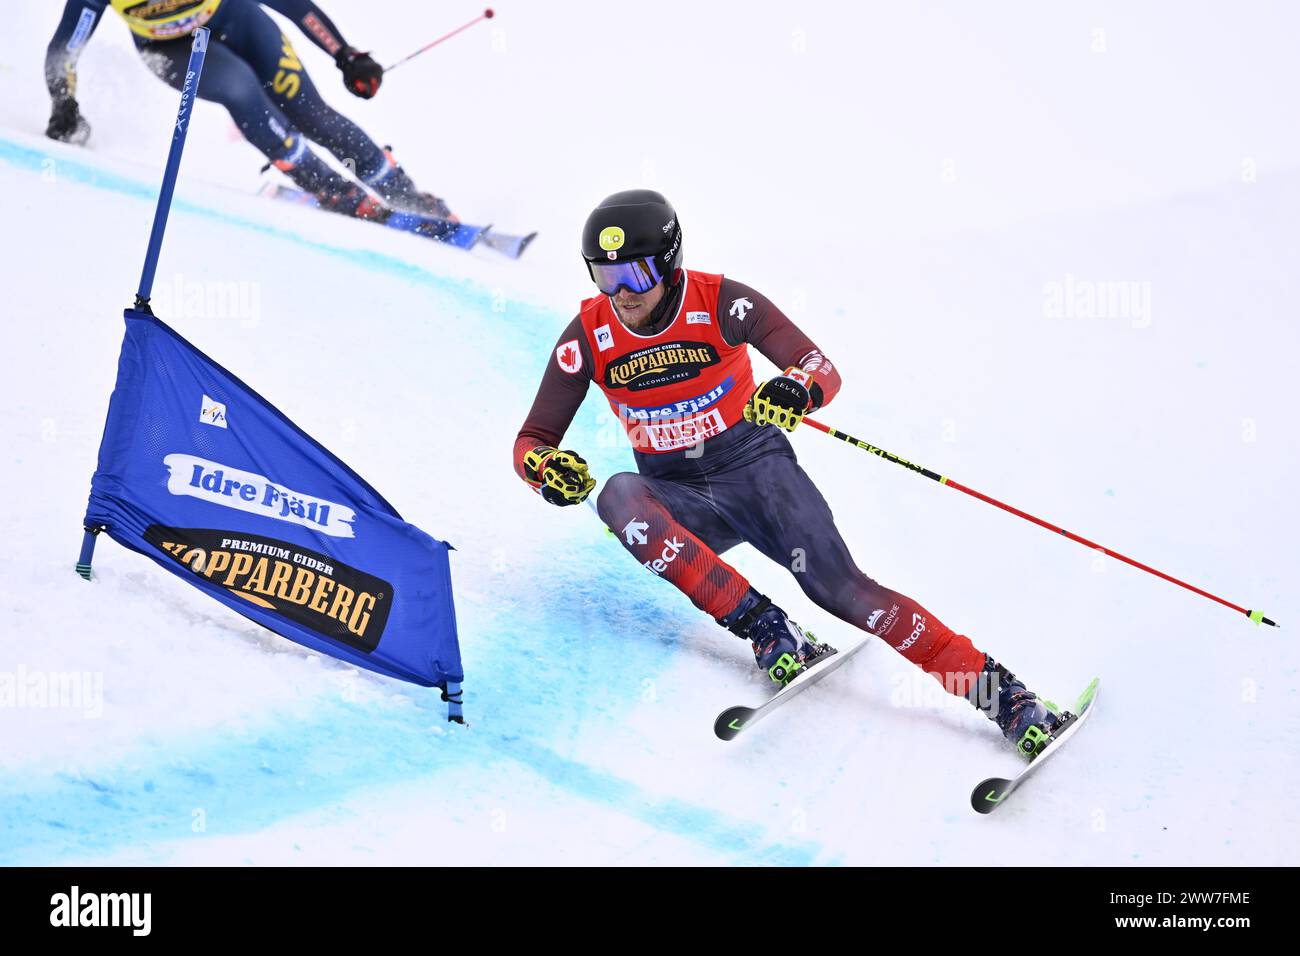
(666, 548)
(676, 528)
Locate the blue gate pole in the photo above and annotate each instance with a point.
(189, 93)
(451, 695)
(87, 551)
(198, 50)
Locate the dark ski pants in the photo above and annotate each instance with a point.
(252, 70)
(680, 512)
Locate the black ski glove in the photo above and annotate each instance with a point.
(361, 74)
(66, 122)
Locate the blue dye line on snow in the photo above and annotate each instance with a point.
(252, 779)
(85, 174)
(255, 779)
(240, 782)
(671, 816)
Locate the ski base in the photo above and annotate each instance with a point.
(506, 244)
(990, 794)
(733, 720)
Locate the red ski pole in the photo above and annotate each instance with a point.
(485, 15)
(1256, 616)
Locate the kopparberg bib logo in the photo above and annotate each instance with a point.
(245, 491)
(661, 364)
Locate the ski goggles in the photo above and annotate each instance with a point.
(635, 275)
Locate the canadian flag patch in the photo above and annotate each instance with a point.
(569, 357)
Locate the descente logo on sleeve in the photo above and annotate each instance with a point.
(256, 494)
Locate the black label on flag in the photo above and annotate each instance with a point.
(306, 587)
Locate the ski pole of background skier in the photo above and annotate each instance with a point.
(1256, 616)
(485, 15)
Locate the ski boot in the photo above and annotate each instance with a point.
(1027, 721)
(332, 192)
(399, 191)
(781, 647)
(353, 201)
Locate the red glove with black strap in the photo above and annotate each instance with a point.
(361, 74)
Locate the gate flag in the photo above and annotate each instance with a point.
(207, 478)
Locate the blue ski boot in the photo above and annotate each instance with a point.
(781, 647)
(1025, 720)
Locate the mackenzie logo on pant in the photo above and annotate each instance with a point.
(889, 617)
(309, 588)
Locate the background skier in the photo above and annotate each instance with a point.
(253, 71)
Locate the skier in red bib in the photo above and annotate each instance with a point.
(669, 347)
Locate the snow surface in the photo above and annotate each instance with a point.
(907, 181)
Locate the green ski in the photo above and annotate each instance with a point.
(735, 719)
(991, 793)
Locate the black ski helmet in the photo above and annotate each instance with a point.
(636, 224)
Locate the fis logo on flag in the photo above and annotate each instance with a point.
(212, 413)
(256, 494)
